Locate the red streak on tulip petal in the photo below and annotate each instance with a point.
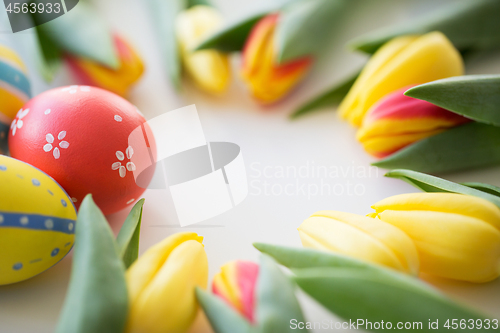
(398, 106)
(247, 273)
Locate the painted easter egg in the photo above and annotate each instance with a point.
(79, 135)
(37, 221)
(14, 91)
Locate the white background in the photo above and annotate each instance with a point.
(267, 139)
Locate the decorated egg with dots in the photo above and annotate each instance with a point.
(14, 91)
(37, 221)
(79, 135)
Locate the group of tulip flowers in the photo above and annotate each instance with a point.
(348, 263)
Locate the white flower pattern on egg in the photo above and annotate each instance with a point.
(50, 140)
(74, 89)
(122, 169)
(18, 121)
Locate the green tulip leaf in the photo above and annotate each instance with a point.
(81, 33)
(192, 3)
(473, 96)
(469, 146)
(428, 183)
(356, 295)
(164, 13)
(305, 26)
(96, 300)
(490, 189)
(470, 25)
(293, 257)
(223, 318)
(327, 99)
(276, 303)
(128, 237)
(231, 38)
(48, 56)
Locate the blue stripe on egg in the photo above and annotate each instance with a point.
(37, 222)
(15, 78)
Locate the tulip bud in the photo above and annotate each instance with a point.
(457, 236)
(235, 283)
(403, 61)
(398, 120)
(209, 69)
(267, 80)
(161, 285)
(116, 80)
(360, 237)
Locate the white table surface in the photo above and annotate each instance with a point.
(269, 142)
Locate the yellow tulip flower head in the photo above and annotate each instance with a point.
(209, 69)
(457, 236)
(361, 237)
(161, 285)
(403, 61)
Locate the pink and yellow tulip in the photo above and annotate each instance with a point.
(235, 283)
(116, 80)
(403, 61)
(267, 80)
(398, 120)
(161, 285)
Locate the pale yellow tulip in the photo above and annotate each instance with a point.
(161, 285)
(361, 237)
(209, 69)
(457, 236)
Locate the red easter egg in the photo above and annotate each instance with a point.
(79, 135)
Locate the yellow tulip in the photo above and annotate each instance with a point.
(360, 237)
(457, 236)
(403, 61)
(118, 80)
(161, 285)
(209, 69)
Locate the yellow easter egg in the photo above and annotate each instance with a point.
(37, 221)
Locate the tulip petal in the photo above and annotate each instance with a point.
(117, 80)
(361, 237)
(403, 61)
(168, 303)
(142, 272)
(266, 80)
(209, 69)
(443, 202)
(450, 245)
